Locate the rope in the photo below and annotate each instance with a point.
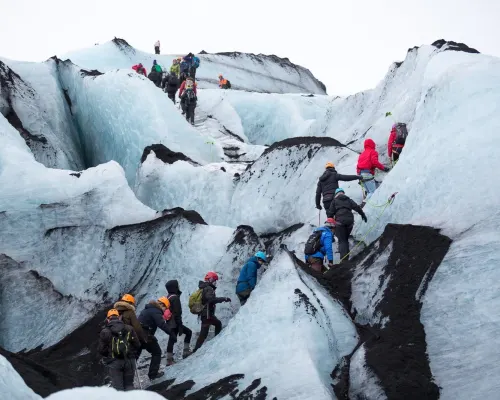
(387, 204)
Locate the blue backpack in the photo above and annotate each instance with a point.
(196, 62)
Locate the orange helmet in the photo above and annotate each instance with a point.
(164, 301)
(329, 165)
(128, 298)
(113, 313)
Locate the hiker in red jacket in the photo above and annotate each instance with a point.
(367, 162)
(139, 68)
(396, 142)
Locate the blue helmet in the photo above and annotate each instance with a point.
(261, 255)
(339, 190)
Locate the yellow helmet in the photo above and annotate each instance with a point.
(113, 313)
(128, 298)
(164, 301)
(329, 165)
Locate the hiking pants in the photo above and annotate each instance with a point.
(171, 96)
(369, 184)
(172, 339)
(190, 112)
(244, 295)
(205, 327)
(157, 50)
(192, 72)
(342, 232)
(326, 206)
(315, 263)
(396, 152)
(122, 373)
(154, 349)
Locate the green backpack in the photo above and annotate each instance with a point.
(120, 344)
(195, 303)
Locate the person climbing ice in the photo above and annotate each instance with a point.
(396, 142)
(151, 319)
(126, 308)
(157, 47)
(171, 86)
(329, 182)
(248, 276)
(139, 68)
(341, 209)
(320, 245)
(177, 327)
(119, 345)
(367, 163)
(188, 96)
(185, 66)
(208, 305)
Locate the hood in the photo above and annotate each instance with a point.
(116, 325)
(153, 304)
(369, 144)
(327, 173)
(341, 196)
(123, 306)
(256, 261)
(173, 287)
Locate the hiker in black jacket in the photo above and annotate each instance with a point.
(328, 183)
(151, 318)
(175, 322)
(171, 85)
(119, 344)
(341, 209)
(209, 300)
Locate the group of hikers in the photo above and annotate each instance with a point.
(339, 207)
(125, 335)
(180, 77)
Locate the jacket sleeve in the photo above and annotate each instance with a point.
(375, 162)
(332, 210)
(210, 297)
(318, 193)
(175, 307)
(327, 240)
(103, 346)
(357, 208)
(392, 136)
(161, 323)
(347, 178)
(137, 328)
(252, 275)
(145, 72)
(134, 339)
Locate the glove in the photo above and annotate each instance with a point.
(387, 169)
(364, 218)
(330, 264)
(360, 178)
(319, 207)
(227, 300)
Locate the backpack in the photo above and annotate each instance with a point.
(196, 62)
(195, 302)
(189, 96)
(167, 315)
(313, 244)
(120, 344)
(228, 84)
(401, 134)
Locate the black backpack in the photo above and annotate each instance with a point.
(228, 85)
(313, 244)
(401, 133)
(120, 344)
(189, 96)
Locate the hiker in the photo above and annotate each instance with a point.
(208, 302)
(171, 86)
(185, 67)
(139, 68)
(177, 328)
(248, 276)
(157, 47)
(396, 142)
(151, 318)
(367, 162)
(341, 209)
(119, 344)
(224, 83)
(320, 245)
(329, 182)
(126, 308)
(156, 73)
(188, 96)
(175, 68)
(194, 66)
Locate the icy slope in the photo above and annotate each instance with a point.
(316, 335)
(252, 72)
(12, 385)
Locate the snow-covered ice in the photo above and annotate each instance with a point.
(12, 386)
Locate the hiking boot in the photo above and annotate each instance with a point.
(158, 375)
(170, 359)
(186, 352)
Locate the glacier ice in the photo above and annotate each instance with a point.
(12, 385)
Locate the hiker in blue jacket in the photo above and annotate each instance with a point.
(315, 260)
(248, 276)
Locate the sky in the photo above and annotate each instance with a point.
(349, 44)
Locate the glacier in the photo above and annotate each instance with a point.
(104, 208)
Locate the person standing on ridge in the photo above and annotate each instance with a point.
(188, 96)
(328, 183)
(157, 47)
(209, 301)
(341, 208)
(320, 245)
(151, 318)
(171, 86)
(126, 308)
(139, 68)
(248, 276)
(119, 344)
(176, 325)
(397, 140)
(367, 162)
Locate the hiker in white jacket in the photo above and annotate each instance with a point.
(157, 47)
